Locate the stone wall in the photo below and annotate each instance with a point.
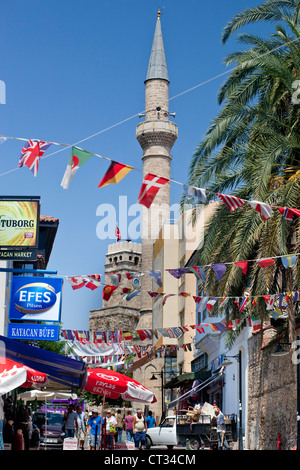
(272, 399)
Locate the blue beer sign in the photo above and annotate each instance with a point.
(35, 298)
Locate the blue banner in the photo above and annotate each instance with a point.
(35, 298)
(33, 332)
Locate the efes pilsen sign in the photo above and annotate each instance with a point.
(35, 298)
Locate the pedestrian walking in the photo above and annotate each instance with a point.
(128, 426)
(139, 427)
(94, 429)
(81, 427)
(222, 441)
(70, 419)
(150, 420)
(119, 428)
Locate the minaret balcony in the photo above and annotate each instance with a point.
(156, 133)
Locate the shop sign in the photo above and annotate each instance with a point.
(19, 255)
(19, 223)
(35, 298)
(33, 331)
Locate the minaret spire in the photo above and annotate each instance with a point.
(157, 68)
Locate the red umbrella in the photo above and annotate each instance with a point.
(13, 375)
(112, 384)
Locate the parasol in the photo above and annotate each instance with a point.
(112, 384)
(13, 375)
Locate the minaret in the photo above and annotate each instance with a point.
(156, 135)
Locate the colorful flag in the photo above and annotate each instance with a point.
(77, 282)
(232, 202)
(198, 271)
(95, 277)
(256, 323)
(197, 298)
(31, 153)
(150, 187)
(92, 284)
(270, 303)
(219, 270)
(264, 209)
(127, 335)
(77, 158)
(243, 265)
(108, 291)
(115, 278)
(276, 313)
(118, 233)
(243, 303)
(115, 173)
(265, 262)
(157, 276)
(166, 298)
(211, 303)
(184, 294)
(132, 294)
(288, 261)
(177, 273)
(191, 192)
(289, 213)
(203, 304)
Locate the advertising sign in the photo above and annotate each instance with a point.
(19, 223)
(19, 255)
(33, 331)
(35, 298)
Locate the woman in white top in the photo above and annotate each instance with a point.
(111, 424)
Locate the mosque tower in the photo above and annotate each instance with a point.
(156, 135)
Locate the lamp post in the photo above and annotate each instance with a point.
(238, 358)
(162, 374)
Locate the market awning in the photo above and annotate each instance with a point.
(181, 379)
(199, 387)
(61, 369)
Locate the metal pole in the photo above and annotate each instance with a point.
(240, 402)
(298, 402)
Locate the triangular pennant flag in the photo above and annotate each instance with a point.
(265, 262)
(31, 153)
(150, 187)
(219, 270)
(118, 233)
(178, 272)
(232, 202)
(77, 158)
(289, 213)
(132, 294)
(288, 261)
(243, 265)
(264, 209)
(115, 173)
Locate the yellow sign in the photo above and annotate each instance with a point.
(19, 223)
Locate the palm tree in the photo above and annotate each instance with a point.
(252, 150)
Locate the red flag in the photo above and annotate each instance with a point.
(150, 187)
(288, 213)
(265, 262)
(243, 265)
(232, 202)
(118, 233)
(108, 291)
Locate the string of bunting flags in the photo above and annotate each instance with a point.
(33, 151)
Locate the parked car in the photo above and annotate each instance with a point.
(51, 433)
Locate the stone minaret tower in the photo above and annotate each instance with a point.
(156, 135)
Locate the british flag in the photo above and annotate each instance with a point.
(31, 153)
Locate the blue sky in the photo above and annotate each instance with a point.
(75, 69)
